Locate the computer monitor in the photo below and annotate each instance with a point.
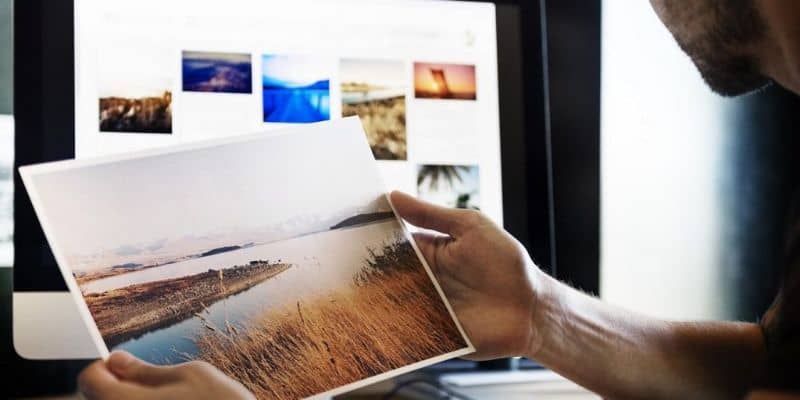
(451, 96)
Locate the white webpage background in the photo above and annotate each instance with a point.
(457, 132)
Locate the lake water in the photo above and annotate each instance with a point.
(296, 105)
(320, 262)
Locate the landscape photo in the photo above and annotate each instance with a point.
(251, 257)
(444, 81)
(295, 88)
(135, 91)
(375, 90)
(205, 71)
(450, 185)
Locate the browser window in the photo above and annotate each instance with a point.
(421, 75)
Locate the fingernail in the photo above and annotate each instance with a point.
(119, 361)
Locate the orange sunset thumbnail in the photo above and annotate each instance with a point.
(444, 81)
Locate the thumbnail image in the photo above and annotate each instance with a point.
(450, 185)
(142, 114)
(444, 81)
(135, 90)
(196, 267)
(375, 91)
(295, 88)
(217, 72)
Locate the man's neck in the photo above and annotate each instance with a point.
(779, 53)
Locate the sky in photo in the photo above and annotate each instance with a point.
(388, 73)
(215, 56)
(295, 70)
(313, 174)
(133, 72)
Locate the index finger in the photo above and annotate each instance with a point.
(429, 216)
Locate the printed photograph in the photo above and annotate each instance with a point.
(444, 81)
(375, 90)
(295, 88)
(217, 72)
(270, 277)
(450, 185)
(135, 91)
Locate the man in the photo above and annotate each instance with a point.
(508, 307)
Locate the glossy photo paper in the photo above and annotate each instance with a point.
(274, 256)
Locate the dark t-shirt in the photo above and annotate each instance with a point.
(781, 323)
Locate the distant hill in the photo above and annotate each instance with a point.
(362, 219)
(126, 266)
(219, 250)
(360, 87)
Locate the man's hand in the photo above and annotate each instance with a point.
(509, 307)
(486, 274)
(125, 377)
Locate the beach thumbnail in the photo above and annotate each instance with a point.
(295, 88)
(375, 90)
(135, 91)
(217, 72)
(450, 185)
(444, 81)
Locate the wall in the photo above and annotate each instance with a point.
(694, 186)
(6, 41)
(660, 127)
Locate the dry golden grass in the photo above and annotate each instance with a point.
(391, 316)
(385, 124)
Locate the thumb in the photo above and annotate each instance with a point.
(129, 368)
(429, 216)
(97, 382)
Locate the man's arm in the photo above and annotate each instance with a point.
(622, 355)
(508, 307)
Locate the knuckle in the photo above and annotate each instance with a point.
(473, 217)
(83, 378)
(198, 367)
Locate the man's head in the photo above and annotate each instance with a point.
(738, 45)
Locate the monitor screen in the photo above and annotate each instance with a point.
(421, 75)
(443, 89)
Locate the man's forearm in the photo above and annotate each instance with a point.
(621, 355)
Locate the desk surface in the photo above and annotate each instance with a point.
(536, 385)
(527, 385)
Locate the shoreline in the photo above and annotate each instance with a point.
(129, 312)
(354, 222)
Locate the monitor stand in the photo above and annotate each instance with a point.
(47, 326)
(513, 385)
(501, 364)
